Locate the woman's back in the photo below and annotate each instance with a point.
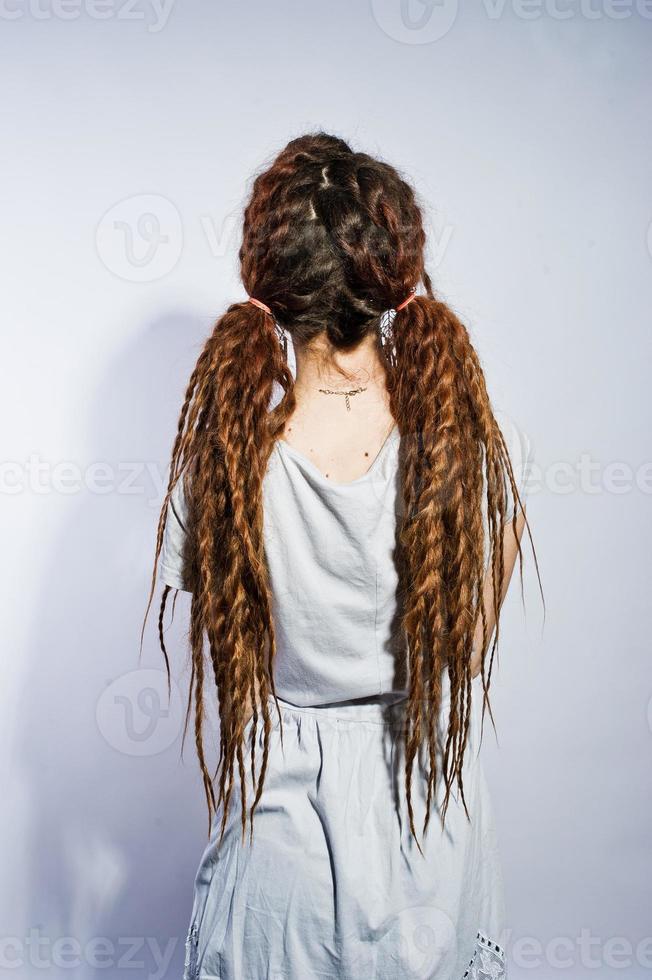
(330, 548)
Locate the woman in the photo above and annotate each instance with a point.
(347, 526)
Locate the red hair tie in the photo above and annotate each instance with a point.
(261, 306)
(405, 302)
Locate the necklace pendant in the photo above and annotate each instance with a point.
(347, 395)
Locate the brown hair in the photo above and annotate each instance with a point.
(331, 239)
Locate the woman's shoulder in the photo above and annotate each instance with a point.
(520, 447)
(173, 563)
(519, 443)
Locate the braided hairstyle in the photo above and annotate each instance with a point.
(331, 240)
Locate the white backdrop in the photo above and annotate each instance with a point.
(131, 132)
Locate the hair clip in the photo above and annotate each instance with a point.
(281, 333)
(386, 321)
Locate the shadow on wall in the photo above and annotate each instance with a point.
(118, 824)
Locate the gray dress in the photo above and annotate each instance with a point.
(334, 885)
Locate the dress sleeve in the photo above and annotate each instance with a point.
(521, 453)
(172, 563)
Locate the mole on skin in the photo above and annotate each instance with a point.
(327, 474)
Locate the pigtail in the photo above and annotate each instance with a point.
(455, 461)
(224, 438)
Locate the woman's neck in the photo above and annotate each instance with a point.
(319, 365)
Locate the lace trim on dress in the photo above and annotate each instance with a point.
(487, 962)
(190, 971)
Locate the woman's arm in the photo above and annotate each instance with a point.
(510, 551)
